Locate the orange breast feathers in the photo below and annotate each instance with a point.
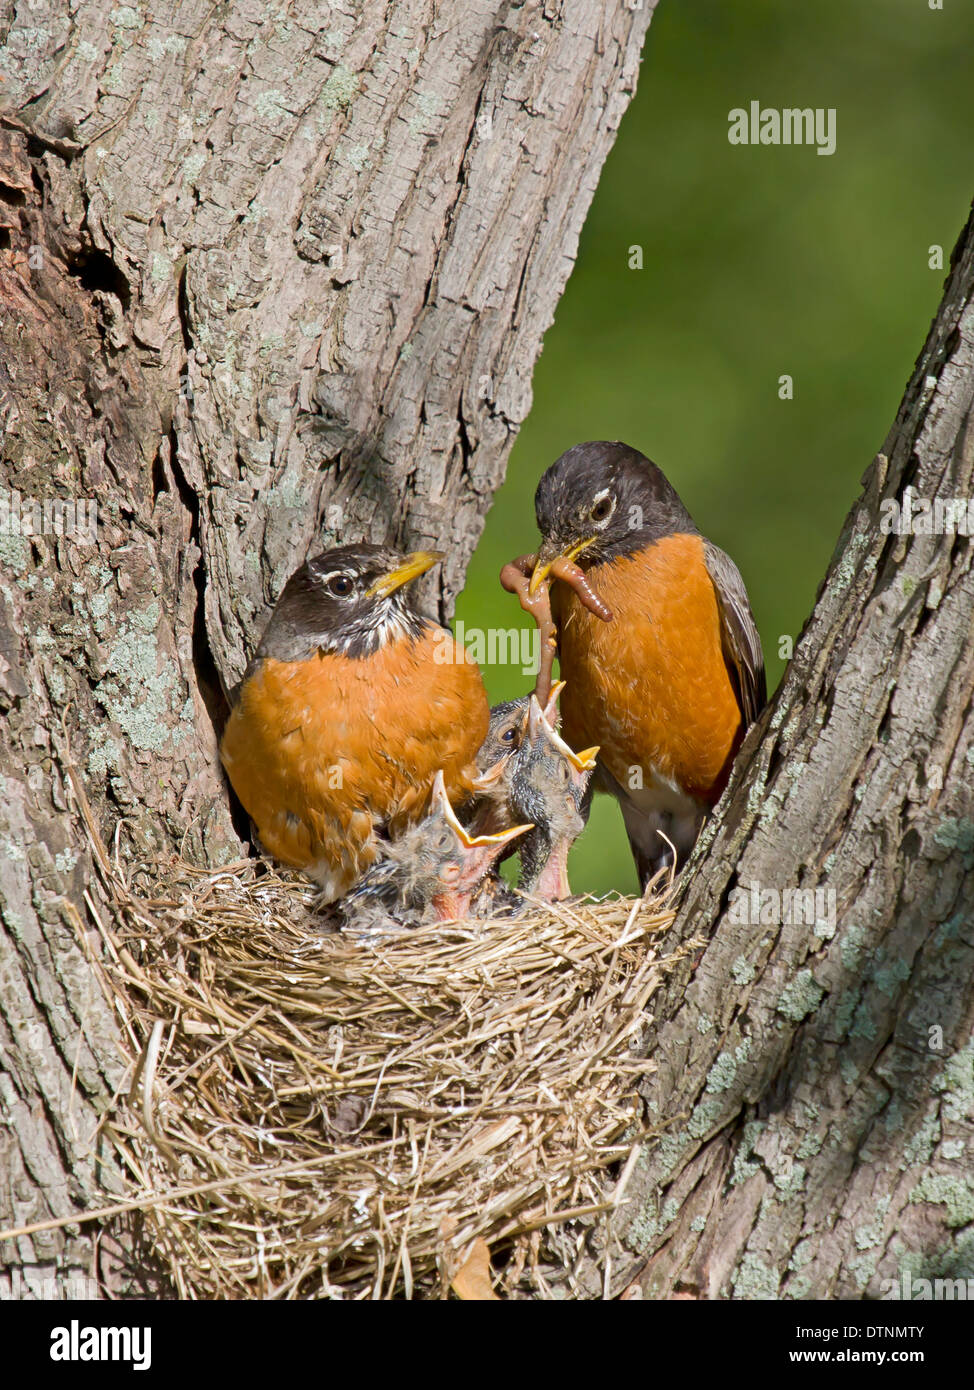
(320, 751)
(651, 688)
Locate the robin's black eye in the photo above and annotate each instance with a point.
(508, 735)
(602, 509)
(340, 585)
(564, 772)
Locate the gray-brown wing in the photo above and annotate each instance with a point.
(738, 632)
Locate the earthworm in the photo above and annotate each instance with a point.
(515, 578)
(565, 570)
(577, 579)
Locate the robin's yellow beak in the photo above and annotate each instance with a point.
(412, 567)
(439, 801)
(492, 775)
(538, 723)
(585, 761)
(500, 838)
(548, 555)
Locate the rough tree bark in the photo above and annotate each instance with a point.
(269, 281)
(818, 1082)
(271, 278)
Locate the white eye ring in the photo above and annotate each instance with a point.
(328, 581)
(597, 502)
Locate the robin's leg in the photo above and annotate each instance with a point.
(660, 838)
(650, 851)
(656, 831)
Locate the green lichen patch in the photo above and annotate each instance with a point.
(852, 946)
(722, 1073)
(864, 1025)
(125, 17)
(956, 1081)
(800, 997)
(802, 1254)
(743, 1167)
(954, 834)
(868, 1236)
(354, 157)
(863, 1269)
(160, 269)
(644, 1227)
(809, 1146)
(340, 90)
(753, 1279)
(671, 1210)
(919, 1148)
(947, 1190)
(705, 1115)
(138, 689)
(889, 977)
(669, 1153)
(11, 850)
(742, 970)
(430, 105)
(271, 106)
(790, 1181)
(14, 553)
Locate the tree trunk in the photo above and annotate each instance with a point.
(818, 1080)
(270, 282)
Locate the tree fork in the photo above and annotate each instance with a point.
(263, 286)
(825, 1074)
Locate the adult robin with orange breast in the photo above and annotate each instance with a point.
(352, 702)
(668, 688)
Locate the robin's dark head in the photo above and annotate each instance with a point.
(349, 600)
(602, 500)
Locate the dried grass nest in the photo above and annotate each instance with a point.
(306, 1115)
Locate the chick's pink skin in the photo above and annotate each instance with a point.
(461, 878)
(550, 783)
(463, 865)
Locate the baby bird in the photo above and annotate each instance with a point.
(505, 732)
(491, 810)
(430, 874)
(548, 783)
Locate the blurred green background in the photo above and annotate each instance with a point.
(757, 261)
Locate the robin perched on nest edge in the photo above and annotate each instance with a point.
(670, 686)
(351, 704)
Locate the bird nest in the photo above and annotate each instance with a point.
(307, 1115)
